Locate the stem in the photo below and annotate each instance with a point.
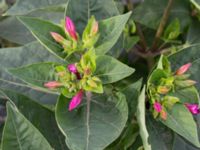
(150, 62)
(141, 35)
(162, 25)
(88, 98)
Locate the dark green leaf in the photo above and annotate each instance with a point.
(111, 70)
(41, 30)
(180, 120)
(20, 134)
(110, 31)
(94, 126)
(42, 118)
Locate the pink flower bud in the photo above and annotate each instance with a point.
(57, 37)
(72, 68)
(95, 27)
(193, 108)
(76, 100)
(70, 28)
(157, 106)
(183, 69)
(52, 84)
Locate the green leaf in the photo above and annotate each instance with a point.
(81, 10)
(132, 92)
(110, 70)
(189, 53)
(180, 120)
(22, 7)
(110, 31)
(140, 114)
(180, 143)
(150, 12)
(160, 137)
(42, 118)
(94, 125)
(41, 30)
(19, 34)
(173, 30)
(12, 58)
(36, 74)
(20, 134)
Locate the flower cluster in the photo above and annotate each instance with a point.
(71, 42)
(72, 80)
(163, 86)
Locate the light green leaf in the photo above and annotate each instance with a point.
(110, 70)
(95, 124)
(41, 30)
(20, 134)
(180, 120)
(42, 118)
(140, 114)
(110, 31)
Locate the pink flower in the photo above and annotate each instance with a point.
(193, 108)
(70, 28)
(52, 84)
(72, 68)
(76, 100)
(183, 69)
(57, 37)
(157, 106)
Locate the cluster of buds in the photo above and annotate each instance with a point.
(159, 93)
(71, 42)
(72, 81)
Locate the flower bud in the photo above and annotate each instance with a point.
(57, 37)
(193, 108)
(183, 69)
(76, 100)
(95, 28)
(70, 28)
(157, 106)
(72, 68)
(163, 115)
(163, 89)
(185, 83)
(52, 84)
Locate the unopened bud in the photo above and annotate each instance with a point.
(163, 89)
(183, 69)
(57, 37)
(185, 83)
(95, 28)
(52, 84)
(70, 28)
(163, 115)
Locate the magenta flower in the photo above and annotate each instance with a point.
(57, 37)
(193, 108)
(70, 28)
(72, 68)
(157, 106)
(76, 100)
(52, 84)
(183, 69)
